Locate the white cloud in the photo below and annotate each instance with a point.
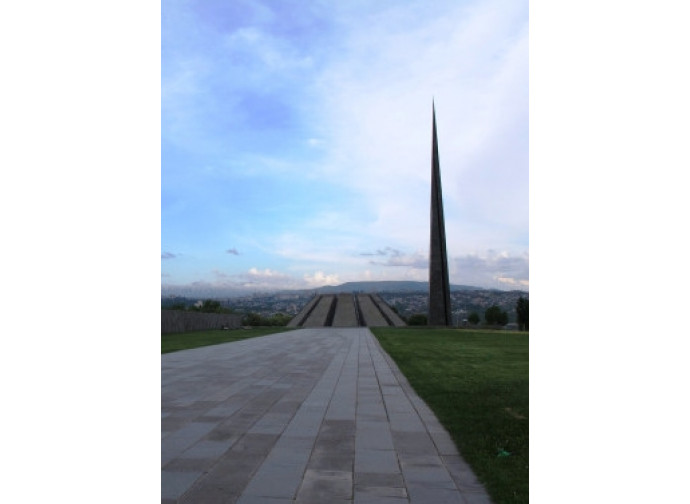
(491, 269)
(254, 279)
(257, 274)
(513, 282)
(394, 257)
(319, 279)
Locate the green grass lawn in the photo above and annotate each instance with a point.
(477, 384)
(183, 341)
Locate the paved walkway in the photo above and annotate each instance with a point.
(308, 416)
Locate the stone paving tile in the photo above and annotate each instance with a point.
(374, 479)
(319, 486)
(272, 423)
(428, 477)
(476, 498)
(384, 461)
(176, 443)
(255, 443)
(386, 492)
(309, 416)
(406, 422)
(175, 483)
(200, 465)
(414, 443)
(423, 494)
(210, 449)
(373, 498)
(426, 469)
(226, 480)
(276, 480)
(330, 460)
(380, 487)
(254, 499)
(334, 449)
(172, 423)
(373, 435)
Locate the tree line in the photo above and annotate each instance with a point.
(493, 316)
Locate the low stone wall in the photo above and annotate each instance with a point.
(174, 321)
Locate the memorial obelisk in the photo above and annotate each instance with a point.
(439, 287)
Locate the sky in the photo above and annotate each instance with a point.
(296, 142)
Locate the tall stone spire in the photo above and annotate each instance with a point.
(439, 287)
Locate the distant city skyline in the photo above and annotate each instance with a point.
(296, 143)
(200, 290)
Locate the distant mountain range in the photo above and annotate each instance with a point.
(388, 286)
(209, 292)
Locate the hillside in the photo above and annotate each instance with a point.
(388, 286)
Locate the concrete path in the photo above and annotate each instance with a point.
(308, 416)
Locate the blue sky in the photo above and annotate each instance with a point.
(296, 142)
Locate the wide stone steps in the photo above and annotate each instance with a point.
(392, 317)
(319, 316)
(346, 310)
(345, 315)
